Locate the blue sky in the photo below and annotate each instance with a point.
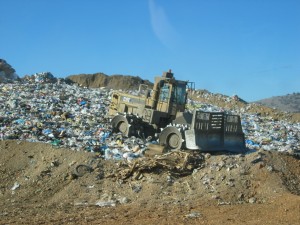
(246, 47)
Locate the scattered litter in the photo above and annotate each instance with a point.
(270, 168)
(106, 204)
(252, 200)
(81, 203)
(136, 188)
(81, 170)
(193, 215)
(16, 186)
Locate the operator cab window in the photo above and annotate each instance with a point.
(179, 94)
(164, 93)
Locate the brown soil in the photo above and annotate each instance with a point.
(39, 186)
(116, 82)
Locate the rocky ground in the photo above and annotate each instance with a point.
(43, 184)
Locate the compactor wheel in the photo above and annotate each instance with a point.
(120, 124)
(171, 138)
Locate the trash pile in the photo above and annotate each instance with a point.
(57, 113)
(42, 108)
(45, 109)
(267, 134)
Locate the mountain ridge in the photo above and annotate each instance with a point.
(286, 103)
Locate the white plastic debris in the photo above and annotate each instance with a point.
(16, 186)
(106, 203)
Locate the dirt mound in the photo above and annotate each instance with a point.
(114, 82)
(44, 184)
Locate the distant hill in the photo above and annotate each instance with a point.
(96, 80)
(286, 103)
(7, 72)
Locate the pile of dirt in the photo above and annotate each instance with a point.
(41, 184)
(116, 82)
